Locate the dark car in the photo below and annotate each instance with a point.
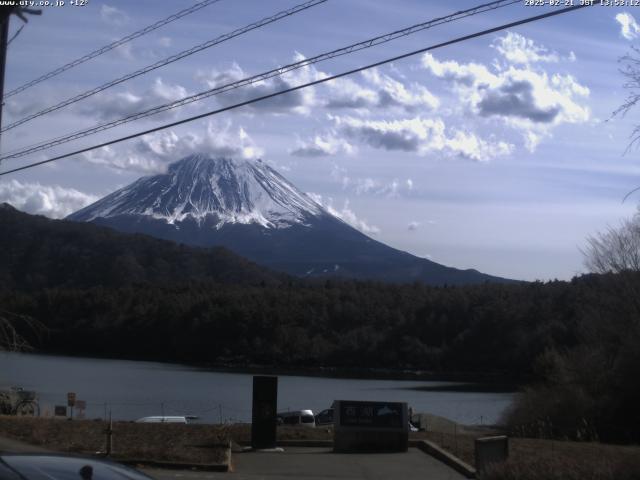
(51, 466)
(325, 417)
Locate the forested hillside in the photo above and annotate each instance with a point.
(36, 252)
(100, 293)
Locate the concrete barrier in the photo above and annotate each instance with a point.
(445, 457)
(489, 450)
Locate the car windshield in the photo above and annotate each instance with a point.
(51, 467)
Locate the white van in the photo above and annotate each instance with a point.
(304, 418)
(161, 419)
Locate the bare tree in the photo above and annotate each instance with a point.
(11, 328)
(630, 69)
(616, 250)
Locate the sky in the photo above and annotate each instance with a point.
(500, 153)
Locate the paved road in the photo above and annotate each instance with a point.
(323, 464)
(303, 463)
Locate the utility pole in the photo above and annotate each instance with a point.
(4, 37)
(5, 15)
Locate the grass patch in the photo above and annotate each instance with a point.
(145, 441)
(538, 459)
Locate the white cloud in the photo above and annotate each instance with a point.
(375, 90)
(53, 201)
(347, 93)
(413, 225)
(371, 186)
(165, 41)
(421, 136)
(629, 28)
(518, 49)
(113, 16)
(532, 140)
(110, 106)
(379, 91)
(225, 140)
(152, 153)
(299, 101)
(525, 98)
(516, 93)
(340, 174)
(323, 145)
(365, 185)
(125, 51)
(345, 214)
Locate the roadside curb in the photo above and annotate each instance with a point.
(305, 443)
(205, 467)
(445, 457)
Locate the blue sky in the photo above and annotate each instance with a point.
(498, 153)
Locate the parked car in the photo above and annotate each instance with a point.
(325, 417)
(298, 417)
(167, 419)
(51, 466)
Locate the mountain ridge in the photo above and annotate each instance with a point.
(38, 252)
(235, 191)
(248, 207)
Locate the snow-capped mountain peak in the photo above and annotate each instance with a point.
(199, 187)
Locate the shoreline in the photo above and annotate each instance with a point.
(457, 381)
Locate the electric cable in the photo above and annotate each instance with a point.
(167, 61)
(306, 85)
(111, 46)
(17, 153)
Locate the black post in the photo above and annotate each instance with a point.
(263, 415)
(4, 36)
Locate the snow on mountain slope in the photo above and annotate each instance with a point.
(249, 208)
(199, 187)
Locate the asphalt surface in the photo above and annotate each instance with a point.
(323, 464)
(303, 463)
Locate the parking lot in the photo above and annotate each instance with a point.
(322, 464)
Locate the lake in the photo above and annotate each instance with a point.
(134, 389)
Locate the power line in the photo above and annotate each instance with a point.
(13, 37)
(309, 84)
(111, 46)
(168, 60)
(259, 77)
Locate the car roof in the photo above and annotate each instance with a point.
(53, 466)
(295, 413)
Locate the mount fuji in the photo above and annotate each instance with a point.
(254, 211)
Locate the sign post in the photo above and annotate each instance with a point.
(60, 410)
(263, 415)
(71, 401)
(80, 405)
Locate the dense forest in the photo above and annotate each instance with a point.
(578, 341)
(575, 344)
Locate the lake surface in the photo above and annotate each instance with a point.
(132, 389)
